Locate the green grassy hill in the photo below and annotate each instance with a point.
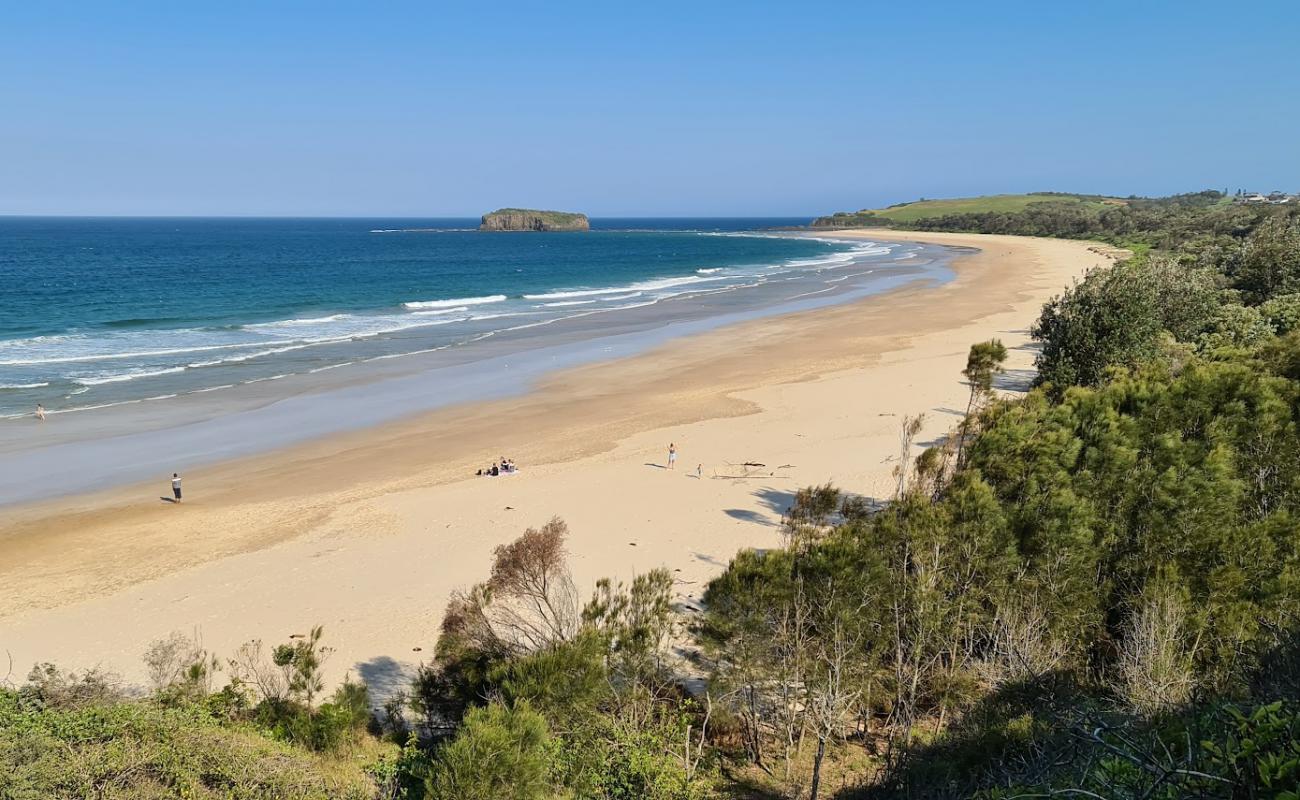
(925, 209)
(906, 212)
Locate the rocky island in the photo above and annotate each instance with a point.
(527, 219)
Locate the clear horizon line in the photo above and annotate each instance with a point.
(393, 216)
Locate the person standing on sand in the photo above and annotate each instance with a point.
(40, 412)
(672, 455)
(176, 486)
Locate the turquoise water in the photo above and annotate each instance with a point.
(98, 312)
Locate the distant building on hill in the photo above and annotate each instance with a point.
(1272, 198)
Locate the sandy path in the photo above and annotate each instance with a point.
(367, 533)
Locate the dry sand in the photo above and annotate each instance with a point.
(367, 533)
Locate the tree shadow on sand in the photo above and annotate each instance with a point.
(749, 515)
(778, 501)
(385, 676)
(1015, 380)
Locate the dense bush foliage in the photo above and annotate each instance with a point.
(1091, 591)
(1167, 306)
(557, 698)
(113, 748)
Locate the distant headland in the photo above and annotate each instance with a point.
(527, 219)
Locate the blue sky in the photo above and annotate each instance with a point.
(620, 109)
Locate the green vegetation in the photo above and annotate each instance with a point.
(581, 700)
(73, 736)
(1089, 591)
(556, 217)
(1186, 223)
(527, 219)
(987, 204)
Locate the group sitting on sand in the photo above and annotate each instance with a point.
(505, 466)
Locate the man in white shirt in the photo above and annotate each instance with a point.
(176, 486)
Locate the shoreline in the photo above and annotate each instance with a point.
(366, 532)
(135, 440)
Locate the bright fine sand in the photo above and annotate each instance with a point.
(367, 533)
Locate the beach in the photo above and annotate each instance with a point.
(367, 532)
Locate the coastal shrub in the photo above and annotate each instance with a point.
(403, 775)
(133, 749)
(636, 622)
(332, 725)
(1115, 318)
(611, 722)
(499, 753)
(179, 669)
(528, 603)
(1234, 326)
(1269, 264)
(1191, 223)
(1137, 539)
(654, 758)
(564, 683)
(48, 686)
(1213, 752)
(301, 661)
(1282, 313)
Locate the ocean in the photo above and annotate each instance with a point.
(158, 344)
(97, 312)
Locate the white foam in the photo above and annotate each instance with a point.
(294, 323)
(817, 291)
(347, 326)
(454, 310)
(156, 352)
(249, 356)
(477, 317)
(640, 286)
(850, 275)
(96, 380)
(575, 293)
(409, 353)
(115, 355)
(459, 301)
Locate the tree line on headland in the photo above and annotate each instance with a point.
(1089, 591)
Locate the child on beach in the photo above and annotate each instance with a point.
(176, 486)
(672, 455)
(40, 412)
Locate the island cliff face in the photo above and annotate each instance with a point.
(527, 219)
